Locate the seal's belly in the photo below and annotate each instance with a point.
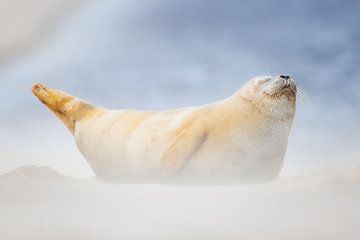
(243, 157)
(122, 143)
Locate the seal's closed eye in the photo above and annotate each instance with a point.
(263, 79)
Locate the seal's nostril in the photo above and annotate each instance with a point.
(285, 77)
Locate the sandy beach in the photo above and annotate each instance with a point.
(39, 203)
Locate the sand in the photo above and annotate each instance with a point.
(39, 203)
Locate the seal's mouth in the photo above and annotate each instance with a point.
(289, 87)
(282, 85)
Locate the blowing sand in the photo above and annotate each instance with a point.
(39, 203)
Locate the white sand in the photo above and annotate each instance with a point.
(38, 203)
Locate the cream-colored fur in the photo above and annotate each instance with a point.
(243, 137)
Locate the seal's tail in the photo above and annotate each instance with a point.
(67, 108)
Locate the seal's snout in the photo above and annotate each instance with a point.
(286, 82)
(284, 77)
(281, 85)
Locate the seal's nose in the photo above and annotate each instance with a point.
(284, 77)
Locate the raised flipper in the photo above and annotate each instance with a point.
(67, 108)
(186, 143)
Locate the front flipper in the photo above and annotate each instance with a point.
(184, 146)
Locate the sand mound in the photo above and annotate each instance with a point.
(34, 174)
(327, 177)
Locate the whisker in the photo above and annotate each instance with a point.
(305, 100)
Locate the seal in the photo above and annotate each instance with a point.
(241, 138)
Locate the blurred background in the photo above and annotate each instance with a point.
(165, 54)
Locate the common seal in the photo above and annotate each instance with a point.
(243, 137)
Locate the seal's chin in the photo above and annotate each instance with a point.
(289, 91)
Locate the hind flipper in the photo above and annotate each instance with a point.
(67, 108)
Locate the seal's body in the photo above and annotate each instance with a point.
(243, 137)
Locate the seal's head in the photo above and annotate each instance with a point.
(275, 96)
